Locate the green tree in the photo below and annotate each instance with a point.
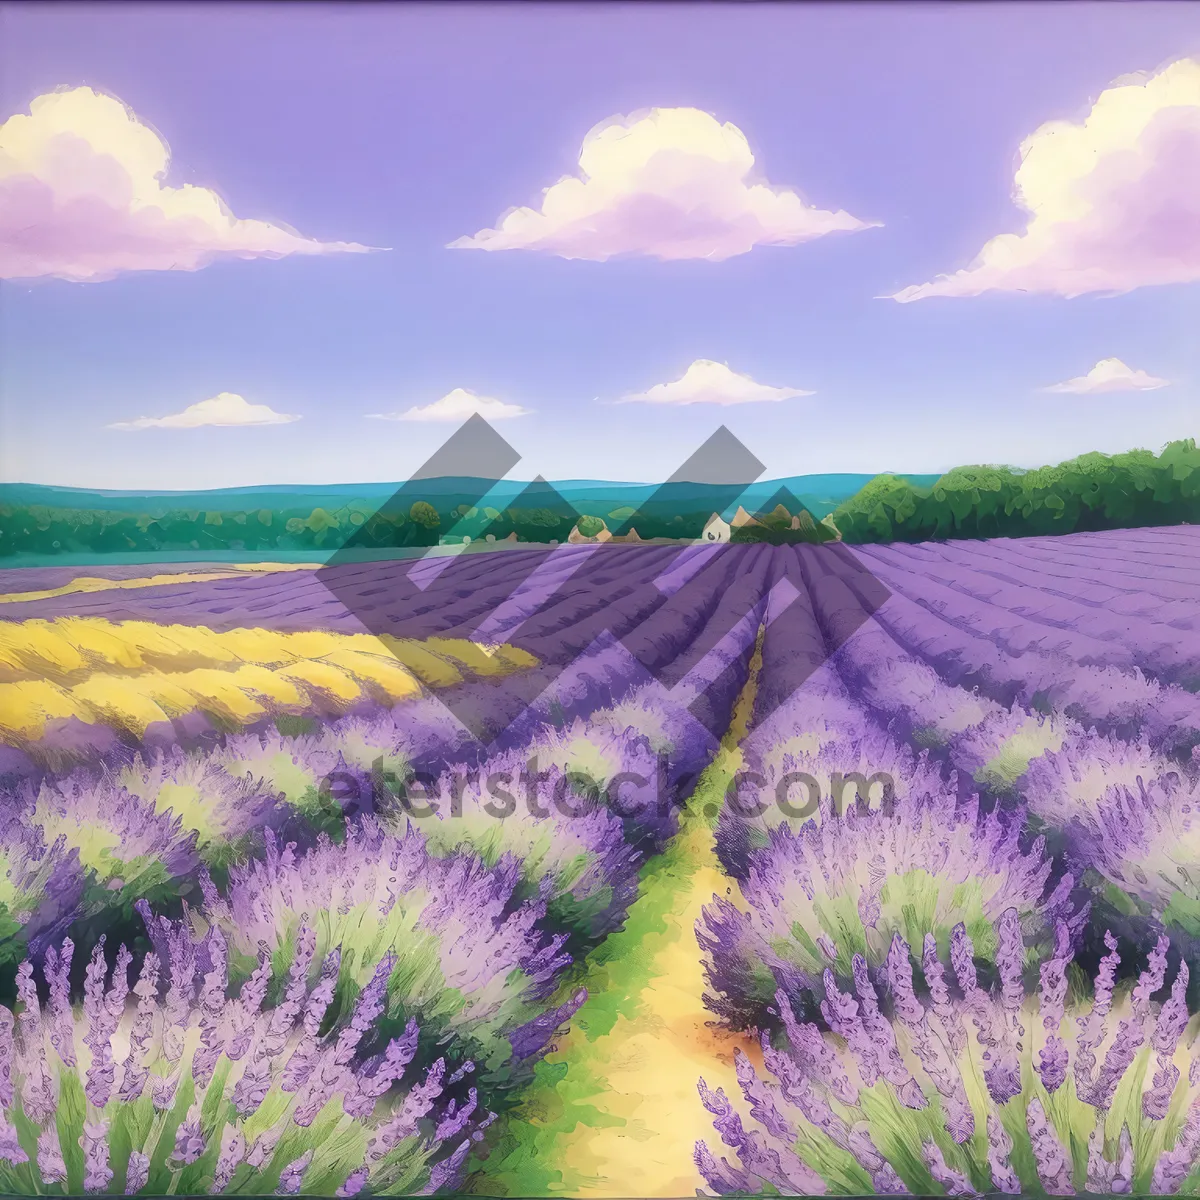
(590, 526)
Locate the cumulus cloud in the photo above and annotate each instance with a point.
(670, 183)
(457, 405)
(82, 198)
(1109, 375)
(708, 382)
(226, 408)
(1113, 202)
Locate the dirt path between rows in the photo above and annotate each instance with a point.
(614, 1111)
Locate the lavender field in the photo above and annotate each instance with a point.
(794, 869)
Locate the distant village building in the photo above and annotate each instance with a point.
(742, 518)
(716, 530)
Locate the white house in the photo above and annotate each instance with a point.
(716, 530)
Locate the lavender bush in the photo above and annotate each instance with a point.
(1144, 844)
(41, 887)
(959, 1088)
(296, 769)
(791, 785)
(224, 812)
(169, 1086)
(568, 846)
(468, 959)
(128, 848)
(848, 883)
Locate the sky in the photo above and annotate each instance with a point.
(864, 238)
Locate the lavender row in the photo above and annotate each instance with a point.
(873, 1082)
(1019, 618)
(965, 1088)
(159, 1082)
(1122, 701)
(849, 838)
(421, 598)
(1121, 809)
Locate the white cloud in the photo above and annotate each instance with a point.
(1113, 201)
(708, 382)
(670, 183)
(226, 408)
(1109, 375)
(457, 405)
(82, 198)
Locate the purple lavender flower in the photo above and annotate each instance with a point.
(292, 1176)
(41, 885)
(998, 751)
(1052, 1061)
(222, 811)
(355, 1182)
(189, 1140)
(953, 1182)
(213, 1022)
(291, 768)
(97, 1174)
(454, 922)
(260, 1153)
(120, 1039)
(10, 1146)
(827, 1087)
(7, 1050)
(1053, 1164)
(126, 842)
(58, 973)
(137, 1173)
(1000, 1145)
(1143, 839)
(581, 865)
(1068, 781)
(233, 1152)
(1173, 1018)
(860, 877)
(50, 1163)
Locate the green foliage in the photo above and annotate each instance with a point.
(1091, 492)
(590, 526)
(423, 513)
(534, 524)
(775, 528)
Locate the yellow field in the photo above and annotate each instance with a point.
(129, 674)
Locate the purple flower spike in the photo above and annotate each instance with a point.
(954, 1182)
(1053, 1164)
(50, 1163)
(189, 1140)
(292, 1176)
(97, 1174)
(137, 1173)
(233, 1151)
(10, 1146)
(1172, 1021)
(1052, 1063)
(355, 1182)
(909, 1046)
(1004, 1178)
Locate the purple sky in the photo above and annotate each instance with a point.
(408, 127)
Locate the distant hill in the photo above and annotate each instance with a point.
(40, 523)
(1094, 491)
(821, 494)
